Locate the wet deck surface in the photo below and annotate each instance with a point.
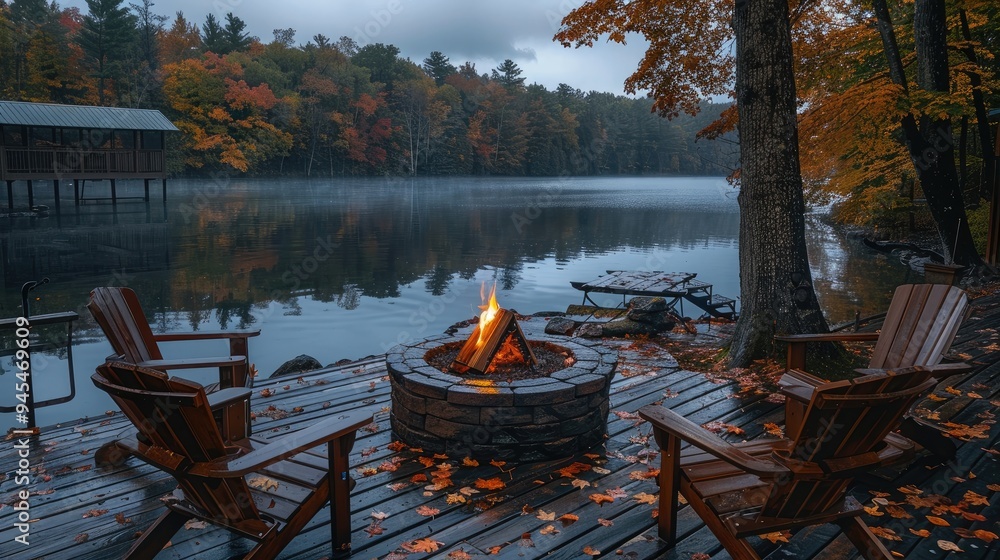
(81, 511)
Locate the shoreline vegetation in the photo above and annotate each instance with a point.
(325, 108)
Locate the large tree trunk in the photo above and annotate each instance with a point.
(930, 143)
(775, 281)
(982, 118)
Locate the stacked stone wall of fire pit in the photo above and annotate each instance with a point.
(519, 420)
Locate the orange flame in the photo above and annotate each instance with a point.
(490, 310)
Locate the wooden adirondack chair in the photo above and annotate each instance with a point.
(118, 312)
(773, 485)
(177, 434)
(918, 330)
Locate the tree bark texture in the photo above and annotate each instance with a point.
(931, 144)
(982, 117)
(775, 282)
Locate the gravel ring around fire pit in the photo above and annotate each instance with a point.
(518, 420)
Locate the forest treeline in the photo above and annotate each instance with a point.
(334, 108)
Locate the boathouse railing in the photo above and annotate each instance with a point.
(29, 163)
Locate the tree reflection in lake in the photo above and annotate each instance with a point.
(348, 268)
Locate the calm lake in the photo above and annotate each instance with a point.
(348, 268)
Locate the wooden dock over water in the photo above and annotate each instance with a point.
(85, 512)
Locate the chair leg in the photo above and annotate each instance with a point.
(930, 438)
(157, 536)
(669, 480)
(340, 482)
(739, 549)
(864, 540)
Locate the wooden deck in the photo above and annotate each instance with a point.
(80, 511)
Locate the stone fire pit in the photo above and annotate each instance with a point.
(492, 418)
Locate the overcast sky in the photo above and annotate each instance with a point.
(482, 31)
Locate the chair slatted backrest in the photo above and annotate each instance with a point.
(844, 424)
(118, 312)
(919, 326)
(176, 421)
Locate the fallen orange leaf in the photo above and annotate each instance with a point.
(923, 533)
(949, 546)
(427, 511)
(938, 521)
(591, 551)
(490, 484)
(601, 499)
(423, 545)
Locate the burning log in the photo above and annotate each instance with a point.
(497, 336)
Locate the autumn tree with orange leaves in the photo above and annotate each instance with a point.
(689, 58)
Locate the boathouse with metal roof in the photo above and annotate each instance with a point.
(50, 142)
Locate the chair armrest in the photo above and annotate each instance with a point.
(193, 363)
(674, 424)
(280, 449)
(799, 385)
(828, 337)
(225, 397)
(941, 371)
(204, 335)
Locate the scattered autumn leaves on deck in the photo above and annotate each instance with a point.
(487, 490)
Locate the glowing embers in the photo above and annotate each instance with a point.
(496, 340)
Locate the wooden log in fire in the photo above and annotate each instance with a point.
(478, 352)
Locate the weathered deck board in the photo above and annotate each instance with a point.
(66, 454)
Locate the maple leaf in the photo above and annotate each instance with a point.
(600, 470)
(195, 524)
(418, 478)
(573, 470)
(601, 499)
(605, 522)
(470, 462)
(490, 484)
(923, 533)
(984, 535)
(549, 530)
(468, 491)
(774, 429)
(121, 519)
(526, 541)
(546, 515)
(777, 536)
(81, 538)
(374, 528)
(938, 521)
(993, 487)
(873, 511)
(579, 483)
(427, 511)
(910, 489)
(897, 512)
(969, 516)
(388, 466)
(592, 456)
(700, 556)
(426, 461)
(644, 475)
(568, 519)
(423, 545)
(455, 498)
(397, 486)
(617, 493)
(591, 551)
(644, 498)
(378, 515)
(95, 513)
(975, 499)
(459, 554)
(497, 463)
(263, 483)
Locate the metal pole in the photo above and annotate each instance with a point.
(30, 393)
